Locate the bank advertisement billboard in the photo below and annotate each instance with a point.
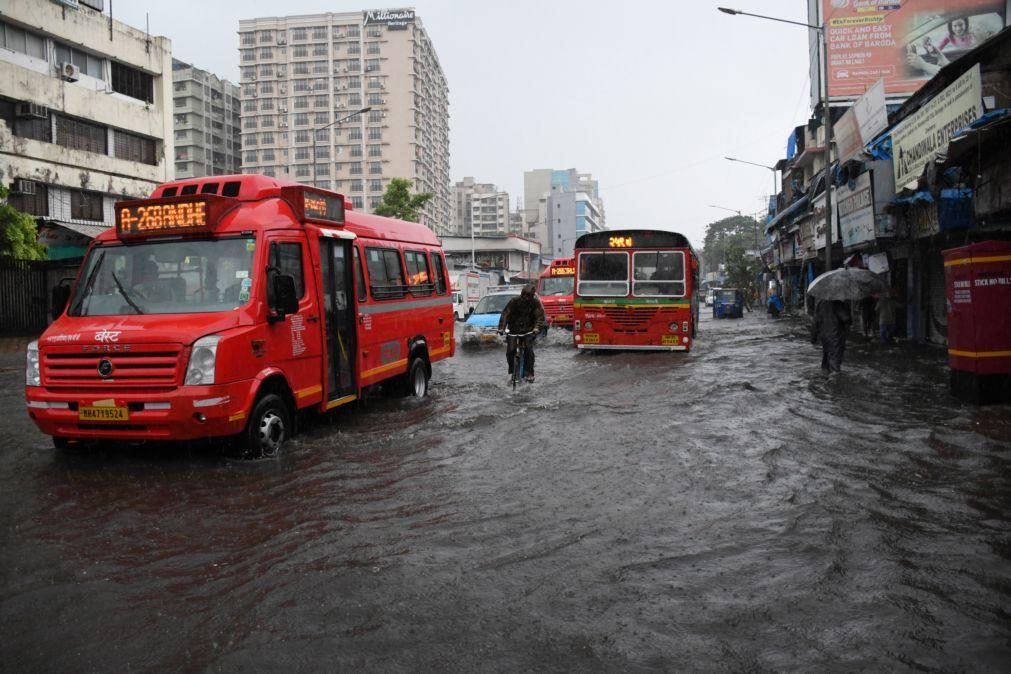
(904, 42)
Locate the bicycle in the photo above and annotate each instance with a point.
(519, 354)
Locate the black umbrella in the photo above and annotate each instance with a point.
(848, 283)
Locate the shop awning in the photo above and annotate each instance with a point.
(788, 212)
(919, 197)
(90, 231)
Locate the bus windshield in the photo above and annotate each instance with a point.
(168, 277)
(556, 285)
(658, 273)
(603, 273)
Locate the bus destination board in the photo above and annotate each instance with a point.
(152, 218)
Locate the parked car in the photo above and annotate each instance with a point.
(481, 326)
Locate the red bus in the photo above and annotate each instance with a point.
(635, 289)
(223, 306)
(554, 287)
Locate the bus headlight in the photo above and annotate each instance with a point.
(588, 325)
(673, 326)
(32, 376)
(203, 358)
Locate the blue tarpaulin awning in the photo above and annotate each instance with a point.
(793, 209)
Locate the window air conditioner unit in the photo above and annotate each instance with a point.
(32, 110)
(70, 72)
(281, 41)
(23, 186)
(283, 108)
(255, 95)
(280, 74)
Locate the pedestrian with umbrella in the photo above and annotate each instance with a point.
(831, 317)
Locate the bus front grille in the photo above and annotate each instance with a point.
(630, 319)
(147, 365)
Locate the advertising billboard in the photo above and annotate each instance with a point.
(903, 42)
(927, 132)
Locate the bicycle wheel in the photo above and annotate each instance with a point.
(517, 364)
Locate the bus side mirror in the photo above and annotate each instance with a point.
(285, 300)
(59, 298)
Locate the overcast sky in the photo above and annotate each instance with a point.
(647, 96)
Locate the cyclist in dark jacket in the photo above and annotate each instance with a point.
(522, 314)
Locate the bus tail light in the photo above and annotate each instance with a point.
(200, 371)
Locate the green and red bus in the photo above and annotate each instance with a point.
(635, 290)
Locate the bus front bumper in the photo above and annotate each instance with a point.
(184, 413)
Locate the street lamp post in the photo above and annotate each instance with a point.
(771, 168)
(327, 126)
(823, 48)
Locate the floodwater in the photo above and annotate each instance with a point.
(724, 510)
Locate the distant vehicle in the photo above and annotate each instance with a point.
(711, 296)
(482, 324)
(554, 288)
(635, 289)
(469, 287)
(729, 303)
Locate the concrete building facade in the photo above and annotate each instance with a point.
(553, 222)
(205, 116)
(303, 78)
(479, 208)
(85, 117)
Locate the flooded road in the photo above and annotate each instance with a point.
(729, 509)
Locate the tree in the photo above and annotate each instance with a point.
(398, 202)
(18, 234)
(737, 231)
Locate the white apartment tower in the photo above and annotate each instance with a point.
(303, 78)
(479, 208)
(206, 119)
(85, 116)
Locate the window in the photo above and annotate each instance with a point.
(321, 118)
(356, 185)
(356, 168)
(371, 65)
(299, 34)
(77, 135)
(375, 116)
(658, 273)
(376, 99)
(385, 277)
(375, 168)
(285, 258)
(319, 50)
(266, 52)
(603, 274)
(301, 119)
(302, 136)
(356, 150)
(250, 157)
(359, 276)
(248, 39)
(301, 153)
(266, 70)
(375, 185)
(247, 106)
(22, 41)
(323, 152)
(322, 101)
(322, 169)
(301, 102)
(372, 48)
(300, 51)
(322, 135)
(32, 204)
(418, 274)
(300, 68)
(357, 202)
(355, 133)
(268, 154)
(375, 150)
(355, 101)
(134, 148)
(438, 273)
(302, 171)
(267, 138)
(247, 54)
(266, 104)
(266, 87)
(86, 206)
(319, 33)
(300, 85)
(265, 36)
(89, 65)
(355, 82)
(132, 82)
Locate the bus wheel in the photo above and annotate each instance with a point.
(268, 428)
(416, 384)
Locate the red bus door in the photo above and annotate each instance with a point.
(339, 310)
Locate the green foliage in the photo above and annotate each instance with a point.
(398, 202)
(18, 234)
(735, 232)
(741, 269)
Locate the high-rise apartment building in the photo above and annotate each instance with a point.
(479, 208)
(85, 116)
(559, 206)
(206, 120)
(303, 78)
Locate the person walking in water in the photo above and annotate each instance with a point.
(885, 309)
(831, 322)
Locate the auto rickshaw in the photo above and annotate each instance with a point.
(728, 303)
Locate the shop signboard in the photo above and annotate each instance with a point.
(862, 123)
(925, 133)
(902, 42)
(855, 202)
(819, 220)
(921, 219)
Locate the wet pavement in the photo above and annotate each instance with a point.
(724, 510)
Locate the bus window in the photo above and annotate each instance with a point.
(385, 277)
(417, 272)
(438, 274)
(603, 273)
(359, 276)
(286, 258)
(658, 273)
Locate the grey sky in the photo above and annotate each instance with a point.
(646, 96)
